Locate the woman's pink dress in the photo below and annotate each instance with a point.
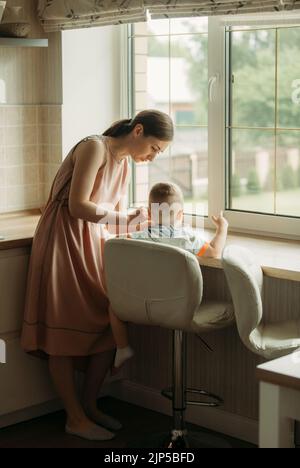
(66, 309)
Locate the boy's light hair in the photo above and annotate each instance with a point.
(165, 202)
(166, 192)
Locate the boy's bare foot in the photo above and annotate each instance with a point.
(122, 355)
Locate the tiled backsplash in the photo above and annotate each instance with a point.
(30, 154)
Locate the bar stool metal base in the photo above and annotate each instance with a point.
(179, 437)
(181, 441)
(194, 440)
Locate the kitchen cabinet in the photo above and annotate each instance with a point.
(25, 387)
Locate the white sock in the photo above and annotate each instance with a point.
(122, 355)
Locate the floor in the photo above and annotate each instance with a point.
(48, 431)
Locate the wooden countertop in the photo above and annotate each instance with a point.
(284, 371)
(279, 258)
(18, 228)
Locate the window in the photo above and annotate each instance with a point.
(264, 120)
(170, 74)
(236, 147)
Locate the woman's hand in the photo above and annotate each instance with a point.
(140, 214)
(138, 217)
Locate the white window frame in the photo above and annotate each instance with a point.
(252, 223)
(126, 76)
(243, 222)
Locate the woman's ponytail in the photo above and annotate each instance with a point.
(119, 128)
(155, 123)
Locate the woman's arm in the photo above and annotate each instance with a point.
(90, 156)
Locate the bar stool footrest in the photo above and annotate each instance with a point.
(216, 400)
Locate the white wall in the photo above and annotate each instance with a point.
(91, 82)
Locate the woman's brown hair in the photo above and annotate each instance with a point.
(155, 123)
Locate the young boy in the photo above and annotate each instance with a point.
(166, 204)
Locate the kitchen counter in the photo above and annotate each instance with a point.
(18, 228)
(279, 258)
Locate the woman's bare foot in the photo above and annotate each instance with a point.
(86, 429)
(102, 419)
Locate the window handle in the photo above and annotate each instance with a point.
(211, 83)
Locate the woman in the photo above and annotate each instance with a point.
(66, 310)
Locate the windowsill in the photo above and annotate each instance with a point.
(279, 258)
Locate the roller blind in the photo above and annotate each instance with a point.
(57, 15)
(264, 19)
